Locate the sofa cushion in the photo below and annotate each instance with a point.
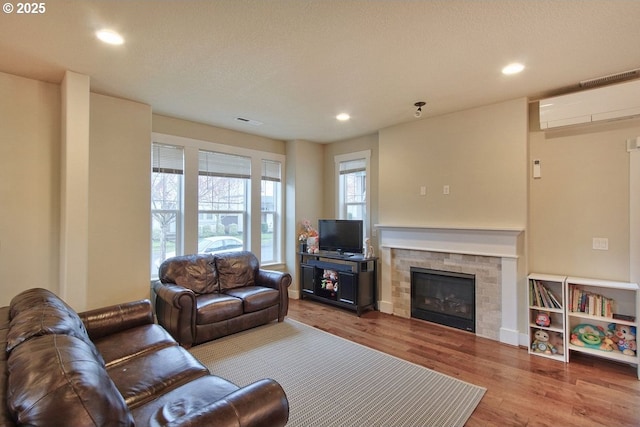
(144, 378)
(255, 298)
(236, 269)
(38, 312)
(195, 272)
(56, 378)
(214, 308)
(133, 342)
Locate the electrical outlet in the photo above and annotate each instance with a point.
(423, 190)
(445, 189)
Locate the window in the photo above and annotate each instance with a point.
(166, 203)
(353, 180)
(270, 207)
(223, 182)
(211, 198)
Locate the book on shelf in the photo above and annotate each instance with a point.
(542, 296)
(581, 301)
(626, 317)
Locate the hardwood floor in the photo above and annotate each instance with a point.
(522, 390)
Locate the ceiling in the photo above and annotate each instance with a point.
(295, 64)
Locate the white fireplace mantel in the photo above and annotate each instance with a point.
(504, 243)
(498, 242)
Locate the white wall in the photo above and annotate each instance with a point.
(117, 182)
(583, 193)
(119, 201)
(304, 189)
(29, 185)
(481, 154)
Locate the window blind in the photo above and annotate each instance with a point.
(167, 159)
(223, 165)
(271, 171)
(352, 166)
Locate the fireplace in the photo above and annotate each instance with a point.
(444, 297)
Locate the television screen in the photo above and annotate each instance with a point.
(340, 235)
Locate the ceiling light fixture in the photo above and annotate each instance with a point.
(511, 69)
(110, 37)
(343, 117)
(418, 112)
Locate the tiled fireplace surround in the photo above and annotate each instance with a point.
(494, 256)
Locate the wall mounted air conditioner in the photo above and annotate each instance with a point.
(605, 103)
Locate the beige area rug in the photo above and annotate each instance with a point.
(331, 381)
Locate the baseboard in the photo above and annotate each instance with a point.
(385, 307)
(509, 336)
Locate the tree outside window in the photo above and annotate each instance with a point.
(166, 202)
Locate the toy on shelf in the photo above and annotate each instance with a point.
(541, 343)
(590, 336)
(557, 341)
(624, 336)
(543, 319)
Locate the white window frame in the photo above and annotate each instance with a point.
(340, 205)
(228, 173)
(190, 197)
(276, 212)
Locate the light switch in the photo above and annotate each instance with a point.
(601, 243)
(423, 190)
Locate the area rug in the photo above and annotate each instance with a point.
(330, 381)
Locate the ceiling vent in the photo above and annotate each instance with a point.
(612, 78)
(611, 102)
(249, 121)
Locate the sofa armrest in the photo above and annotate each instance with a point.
(119, 317)
(176, 311)
(280, 281)
(273, 279)
(263, 403)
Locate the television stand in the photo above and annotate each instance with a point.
(347, 281)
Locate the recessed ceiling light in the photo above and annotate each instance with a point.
(110, 37)
(514, 68)
(343, 117)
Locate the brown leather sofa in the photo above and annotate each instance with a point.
(199, 298)
(114, 367)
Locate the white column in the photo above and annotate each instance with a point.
(634, 215)
(509, 333)
(74, 190)
(385, 301)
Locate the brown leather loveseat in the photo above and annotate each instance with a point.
(114, 367)
(203, 297)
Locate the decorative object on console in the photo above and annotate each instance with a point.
(368, 248)
(306, 231)
(308, 237)
(312, 244)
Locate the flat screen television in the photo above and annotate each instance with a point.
(340, 235)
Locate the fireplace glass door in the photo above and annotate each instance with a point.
(443, 297)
